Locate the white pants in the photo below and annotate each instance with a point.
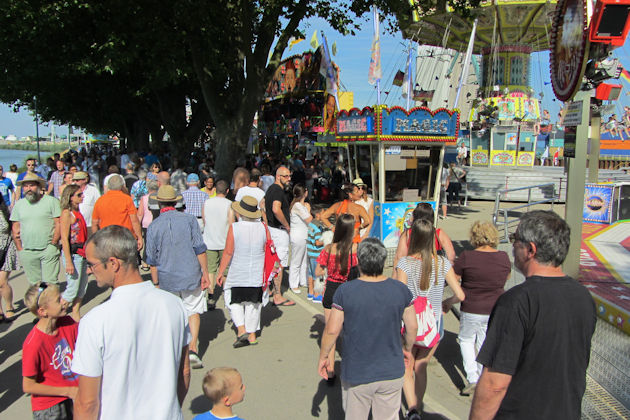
(245, 313)
(472, 333)
(299, 264)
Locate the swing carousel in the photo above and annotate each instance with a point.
(505, 115)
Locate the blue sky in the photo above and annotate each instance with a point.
(353, 55)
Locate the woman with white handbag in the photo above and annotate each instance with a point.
(425, 273)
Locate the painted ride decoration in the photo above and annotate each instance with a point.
(410, 141)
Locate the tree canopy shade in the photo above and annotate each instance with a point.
(130, 66)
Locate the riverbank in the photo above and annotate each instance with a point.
(45, 147)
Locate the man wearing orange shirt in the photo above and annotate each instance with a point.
(116, 208)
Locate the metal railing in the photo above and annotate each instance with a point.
(509, 216)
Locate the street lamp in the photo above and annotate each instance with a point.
(39, 157)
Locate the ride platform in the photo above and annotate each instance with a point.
(605, 270)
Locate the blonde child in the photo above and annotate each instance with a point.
(47, 355)
(224, 387)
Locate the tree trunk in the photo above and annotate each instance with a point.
(231, 136)
(137, 136)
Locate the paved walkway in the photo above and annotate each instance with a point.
(280, 372)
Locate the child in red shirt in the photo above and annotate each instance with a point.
(47, 355)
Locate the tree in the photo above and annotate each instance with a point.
(143, 60)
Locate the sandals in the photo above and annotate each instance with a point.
(241, 341)
(9, 316)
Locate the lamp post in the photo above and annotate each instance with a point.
(39, 157)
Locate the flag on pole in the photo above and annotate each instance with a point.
(375, 72)
(314, 42)
(625, 75)
(398, 78)
(328, 70)
(406, 86)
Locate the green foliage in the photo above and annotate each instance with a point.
(128, 66)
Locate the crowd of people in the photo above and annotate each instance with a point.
(198, 238)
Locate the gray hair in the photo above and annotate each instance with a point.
(142, 173)
(152, 185)
(372, 255)
(116, 182)
(549, 232)
(117, 242)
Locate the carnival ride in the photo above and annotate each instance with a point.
(505, 119)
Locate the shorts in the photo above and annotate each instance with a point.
(214, 260)
(40, 265)
(280, 238)
(443, 195)
(194, 300)
(61, 411)
(312, 265)
(329, 292)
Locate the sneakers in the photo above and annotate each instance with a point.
(195, 361)
(469, 389)
(413, 415)
(297, 290)
(318, 299)
(309, 296)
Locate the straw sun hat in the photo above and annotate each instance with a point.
(166, 193)
(248, 207)
(32, 178)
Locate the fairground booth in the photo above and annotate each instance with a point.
(405, 151)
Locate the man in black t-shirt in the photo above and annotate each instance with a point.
(538, 342)
(277, 210)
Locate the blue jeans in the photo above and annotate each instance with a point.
(312, 265)
(76, 284)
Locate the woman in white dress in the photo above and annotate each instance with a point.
(300, 215)
(245, 249)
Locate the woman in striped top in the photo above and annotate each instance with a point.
(425, 272)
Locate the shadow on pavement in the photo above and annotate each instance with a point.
(212, 324)
(332, 394)
(200, 404)
(10, 386)
(462, 245)
(449, 356)
(11, 344)
(92, 291)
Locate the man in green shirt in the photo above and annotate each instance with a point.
(36, 231)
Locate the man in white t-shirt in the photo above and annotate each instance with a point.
(253, 189)
(131, 353)
(217, 216)
(90, 195)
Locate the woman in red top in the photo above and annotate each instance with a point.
(338, 259)
(73, 237)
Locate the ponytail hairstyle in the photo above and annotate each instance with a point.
(422, 244)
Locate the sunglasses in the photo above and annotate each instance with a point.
(91, 266)
(40, 290)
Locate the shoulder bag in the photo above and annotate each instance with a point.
(272, 262)
(427, 335)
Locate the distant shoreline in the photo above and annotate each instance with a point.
(45, 147)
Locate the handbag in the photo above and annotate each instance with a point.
(427, 335)
(272, 265)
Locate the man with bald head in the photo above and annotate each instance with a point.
(277, 209)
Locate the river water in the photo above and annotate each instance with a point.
(7, 157)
